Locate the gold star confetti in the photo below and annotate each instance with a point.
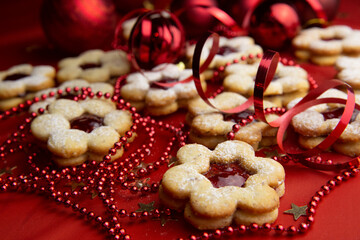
(146, 207)
(297, 211)
(164, 219)
(75, 185)
(172, 161)
(6, 170)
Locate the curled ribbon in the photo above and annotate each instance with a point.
(197, 70)
(264, 76)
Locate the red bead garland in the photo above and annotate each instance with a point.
(104, 177)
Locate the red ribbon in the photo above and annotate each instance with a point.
(197, 70)
(264, 76)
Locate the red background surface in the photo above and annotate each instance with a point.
(28, 216)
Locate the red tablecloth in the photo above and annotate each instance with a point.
(30, 216)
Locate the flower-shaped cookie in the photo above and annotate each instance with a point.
(349, 71)
(210, 127)
(289, 82)
(94, 66)
(95, 87)
(316, 123)
(77, 131)
(229, 184)
(22, 79)
(230, 49)
(323, 46)
(141, 91)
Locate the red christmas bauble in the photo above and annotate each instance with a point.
(273, 25)
(125, 6)
(157, 37)
(78, 25)
(194, 16)
(238, 9)
(308, 14)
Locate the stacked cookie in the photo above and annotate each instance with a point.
(20, 82)
(316, 123)
(288, 83)
(349, 71)
(250, 193)
(323, 46)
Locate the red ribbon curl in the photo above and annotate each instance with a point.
(264, 76)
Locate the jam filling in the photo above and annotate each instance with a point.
(237, 117)
(331, 39)
(15, 76)
(221, 175)
(225, 50)
(336, 113)
(87, 122)
(165, 80)
(89, 65)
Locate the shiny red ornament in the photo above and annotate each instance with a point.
(78, 25)
(157, 37)
(273, 25)
(238, 9)
(194, 16)
(309, 15)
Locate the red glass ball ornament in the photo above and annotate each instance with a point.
(273, 25)
(238, 9)
(157, 37)
(194, 16)
(78, 25)
(309, 16)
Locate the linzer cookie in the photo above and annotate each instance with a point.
(224, 186)
(323, 46)
(316, 123)
(349, 71)
(94, 66)
(77, 131)
(208, 126)
(79, 83)
(21, 80)
(289, 82)
(230, 49)
(142, 92)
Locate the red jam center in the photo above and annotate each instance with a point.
(86, 122)
(331, 39)
(221, 175)
(15, 76)
(237, 117)
(89, 65)
(165, 80)
(336, 113)
(225, 50)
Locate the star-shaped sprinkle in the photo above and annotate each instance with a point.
(142, 183)
(143, 207)
(172, 161)
(94, 194)
(6, 170)
(272, 153)
(164, 219)
(297, 211)
(75, 185)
